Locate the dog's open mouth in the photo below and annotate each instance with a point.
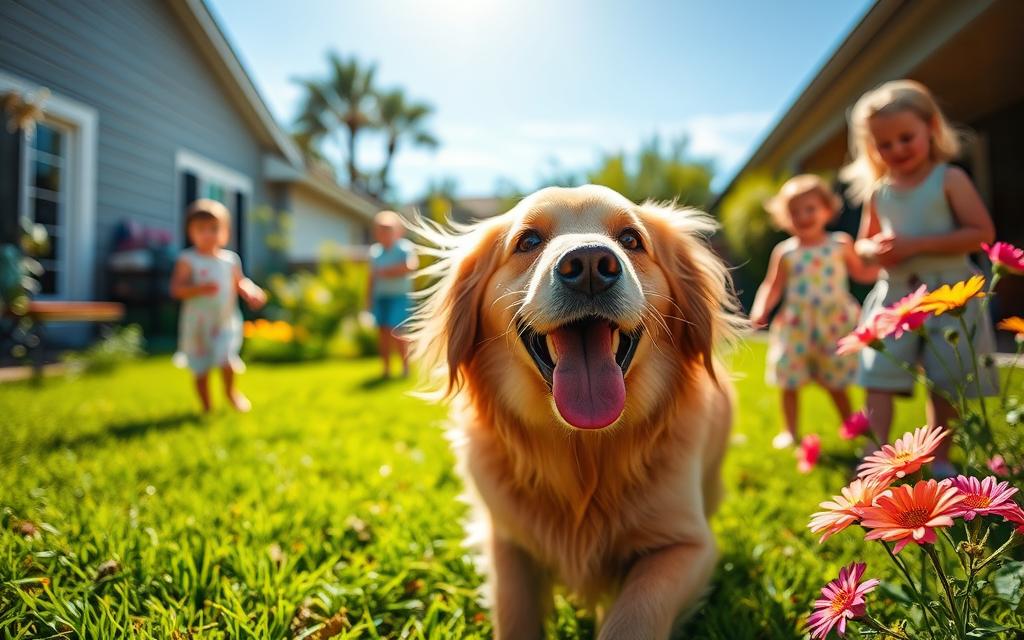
(584, 362)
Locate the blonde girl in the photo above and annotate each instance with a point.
(921, 219)
(809, 269)
(208, 279)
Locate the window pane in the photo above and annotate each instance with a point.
(47, 139)
(45, 210)
(48, 281)
(216, 192)
(52, 250)
(47, 176)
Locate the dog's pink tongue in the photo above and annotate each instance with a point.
(587, 384)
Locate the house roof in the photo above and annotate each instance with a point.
(891, 38)
(225, 63)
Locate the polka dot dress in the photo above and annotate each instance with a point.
(816, 312)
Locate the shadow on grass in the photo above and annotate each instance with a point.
(378, 382)
(123, 430)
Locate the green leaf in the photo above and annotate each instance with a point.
(1009, 582)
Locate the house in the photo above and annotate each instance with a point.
(149, 108)
(970, 54)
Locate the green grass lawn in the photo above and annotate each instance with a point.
(331, 509)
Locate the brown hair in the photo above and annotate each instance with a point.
(778, 205)
(206, 209)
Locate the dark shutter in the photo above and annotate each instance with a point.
(189, 193)
(10, 183)
(240, 223)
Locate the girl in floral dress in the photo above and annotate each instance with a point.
(208, 279)
(808, 272)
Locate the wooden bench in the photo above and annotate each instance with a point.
(42, 312)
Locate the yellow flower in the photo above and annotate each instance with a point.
(1014, 324)
(947, 298)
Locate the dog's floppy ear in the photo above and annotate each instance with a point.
(446, 327)
(701, 287)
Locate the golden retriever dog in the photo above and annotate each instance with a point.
(576, 333)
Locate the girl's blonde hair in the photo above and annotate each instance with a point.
(896, 96)
(778, 205)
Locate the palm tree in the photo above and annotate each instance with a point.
(341, 103)
(401, 120)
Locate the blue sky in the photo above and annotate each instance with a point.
(521, 86)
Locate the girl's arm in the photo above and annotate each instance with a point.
(859, 270)
(249, 291)
(770, 291)
(180, 287)
(865, 246)
(974, 224)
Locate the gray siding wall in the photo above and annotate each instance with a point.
(132, 61)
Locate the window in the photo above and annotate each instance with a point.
(203, 178)
(46, 174)
(50, 178)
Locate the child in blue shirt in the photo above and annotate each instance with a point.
(392, 261)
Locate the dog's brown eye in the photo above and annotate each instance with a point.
(529, 241)
(630, 239)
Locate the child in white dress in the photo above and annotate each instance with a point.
(208, 279)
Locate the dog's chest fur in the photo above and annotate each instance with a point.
(582, 511)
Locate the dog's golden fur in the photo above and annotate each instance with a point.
(618, 515)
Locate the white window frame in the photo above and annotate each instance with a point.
(80, 123)
(207, 170)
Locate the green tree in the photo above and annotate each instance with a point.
(657, 173)
(748, 230)
(401, 120)
(341, 105)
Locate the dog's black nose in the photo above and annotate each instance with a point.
(590, 269)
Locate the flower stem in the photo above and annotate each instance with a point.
(977, 373)
(1009, 374)
(997, 552)
(879, 627)
(913, 587)
(930, 552)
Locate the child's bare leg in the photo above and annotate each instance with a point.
(879, 407)
(384, 346)
(203, 389)
(790, 408)
(403, 350)
(235, 397)
(939, 412)
(842, 401)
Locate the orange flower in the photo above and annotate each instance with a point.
(1014, 324)
(902, 457)
(947, 298)
(911, 514)
(846, 509)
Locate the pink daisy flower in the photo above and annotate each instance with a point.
(903, 457)
(908, 514)
(984, 497)
(902, 316)
(808, 453)
(863, 336)
(997, 465)
(1016, 516)
(1005, 255)
(843, 600)
(854, 426)
(844, 510)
